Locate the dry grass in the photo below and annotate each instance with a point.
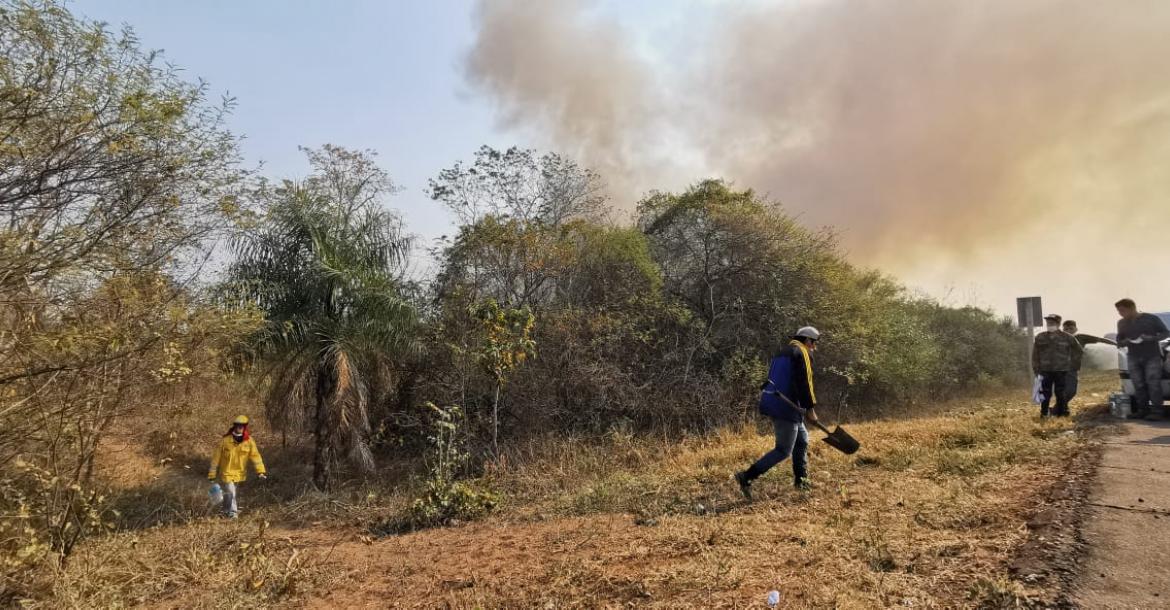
(209, 563)
(926, 515)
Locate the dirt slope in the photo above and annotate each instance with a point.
(933, 512)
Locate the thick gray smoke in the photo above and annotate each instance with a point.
(550, 66)
(998, 147)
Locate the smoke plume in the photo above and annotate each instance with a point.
(994, 148)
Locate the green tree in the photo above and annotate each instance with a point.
(109, 163)
(109, 160)
(116, 175)
(515, 263)
(742, 265)
(519, 185)
(611, 267)
(505, 343)
(325, 266)
(513, 207)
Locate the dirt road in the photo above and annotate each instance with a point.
(1128, 527)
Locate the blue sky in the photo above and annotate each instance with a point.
(358, 73)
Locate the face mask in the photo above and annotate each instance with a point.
(1053, 327)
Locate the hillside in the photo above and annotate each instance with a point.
(933, 512)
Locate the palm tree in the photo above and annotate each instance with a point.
(324, 266)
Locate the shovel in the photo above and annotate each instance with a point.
(839, 439)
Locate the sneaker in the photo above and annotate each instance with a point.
(804, 485)
(745, 485)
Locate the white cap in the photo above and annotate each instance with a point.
(809, 332)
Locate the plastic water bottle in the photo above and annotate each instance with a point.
(215, 494)
(1119, 405)
(773, 598)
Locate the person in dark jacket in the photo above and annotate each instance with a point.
(1052, 359)
(1072, 381)
(788, 398)
(1140, 333)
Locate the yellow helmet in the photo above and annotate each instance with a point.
(241, 419)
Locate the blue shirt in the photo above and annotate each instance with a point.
(790, 374)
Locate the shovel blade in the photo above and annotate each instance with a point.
(840, 440)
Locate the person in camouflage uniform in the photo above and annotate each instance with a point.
(1053, 355)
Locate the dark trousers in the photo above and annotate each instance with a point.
(1146, 374)
(1052, 384)
(791, 440)
(1071, 382)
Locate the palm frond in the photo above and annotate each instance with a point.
(292, 394)
(349, 412)
(326, 273)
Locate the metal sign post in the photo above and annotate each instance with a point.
(1030, 313)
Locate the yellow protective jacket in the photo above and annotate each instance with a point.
(230, 460)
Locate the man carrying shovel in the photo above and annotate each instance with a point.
(788, 398)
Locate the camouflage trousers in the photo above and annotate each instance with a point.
(1146, 374)
(1052, 385)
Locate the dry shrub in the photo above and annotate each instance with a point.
(999, 593)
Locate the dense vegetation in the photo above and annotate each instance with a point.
(119, 181)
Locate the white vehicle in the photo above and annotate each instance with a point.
(1123, 364)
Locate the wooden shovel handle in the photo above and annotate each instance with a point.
(801, 410)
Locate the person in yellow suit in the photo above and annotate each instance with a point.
(230, 463)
